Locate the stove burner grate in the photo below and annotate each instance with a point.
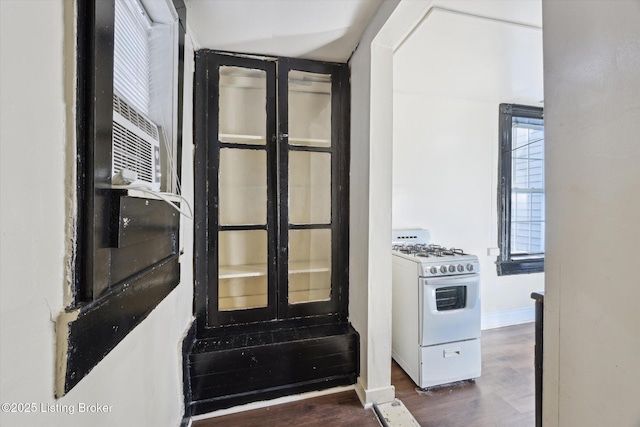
(426, 251)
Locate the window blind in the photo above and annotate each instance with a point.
(131, 74)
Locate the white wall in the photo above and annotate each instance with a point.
(450, 75)
(592, 126)
(141, 378)
(371, 165)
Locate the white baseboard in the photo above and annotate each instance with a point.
(376, 395)
(516, 316)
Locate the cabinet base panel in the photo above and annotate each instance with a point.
(239, 368)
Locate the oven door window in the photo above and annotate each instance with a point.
(451, 298)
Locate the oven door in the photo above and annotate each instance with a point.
(450, 309)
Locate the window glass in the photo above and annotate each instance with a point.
(527, 186)
(131, 59)
(145, 78)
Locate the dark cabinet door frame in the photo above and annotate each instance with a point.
(339, 150)
(206, 189)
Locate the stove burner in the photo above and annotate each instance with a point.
(426, 251)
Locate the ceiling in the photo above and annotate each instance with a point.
(459, 55)
(327, 30)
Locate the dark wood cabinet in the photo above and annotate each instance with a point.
(272, 170)
(272, 154)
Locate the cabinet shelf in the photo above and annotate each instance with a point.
(310, 141)
(238, 138)
(298, 267)
(257, 270)
(246, 270)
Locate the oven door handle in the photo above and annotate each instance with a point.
(461, 279)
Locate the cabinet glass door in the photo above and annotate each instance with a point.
(246, 279)
(272, 214)
(306, 121)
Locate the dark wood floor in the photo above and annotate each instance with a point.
(502, 396)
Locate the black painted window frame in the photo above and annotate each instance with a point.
(506, 264)
(101, 316)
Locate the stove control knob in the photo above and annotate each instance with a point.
(452, 268)
(460, 268)
(470, 267)
(434, 270)
(443, 269)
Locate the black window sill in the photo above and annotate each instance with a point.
(141, 265)
(92, 330)
(524, 266)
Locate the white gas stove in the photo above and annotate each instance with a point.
(436, 297)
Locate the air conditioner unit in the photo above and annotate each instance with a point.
(135, 145)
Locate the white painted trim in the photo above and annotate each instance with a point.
(376, 395)
(516, 316)
(272, 402)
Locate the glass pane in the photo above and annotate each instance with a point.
(528, 155)
(309, 187)
(451, 298)
(309, 109)
(527, 222)
(527, 186)
(242, 274)
(309, 265)
(243, 186)
(243, 105)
